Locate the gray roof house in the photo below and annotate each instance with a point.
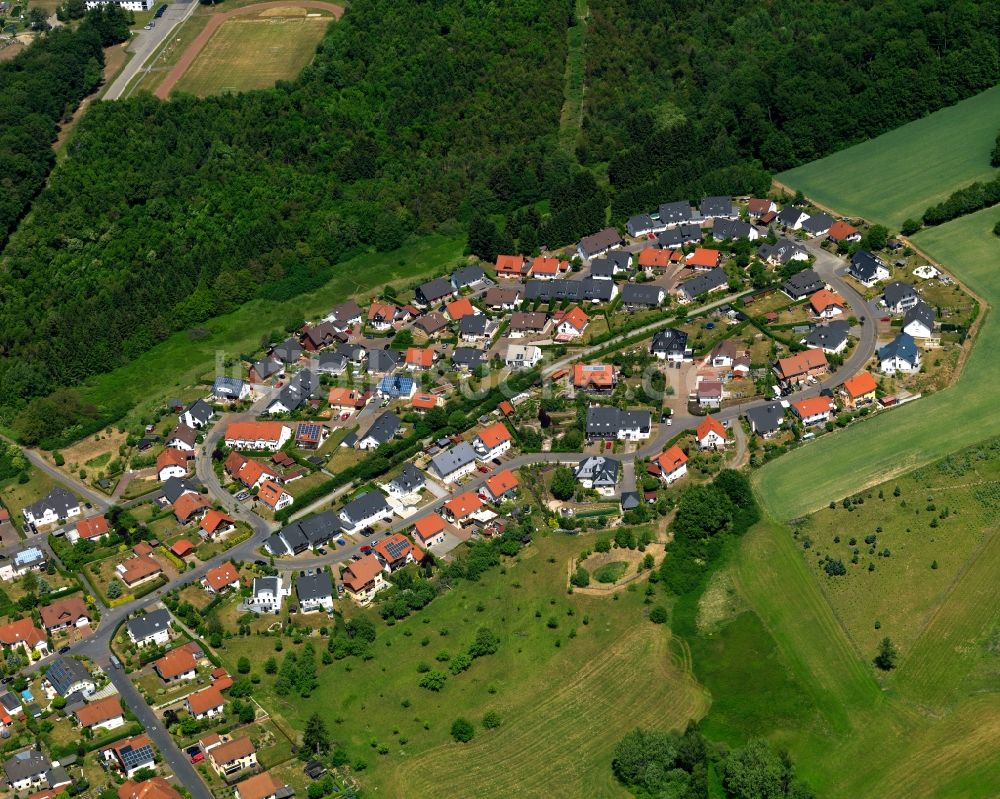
(315, 591)
(919, 320)
(899, 297)
(382, 361)
(173, 487)
(453, 462)
(899, 355)
(344, 315)
(198, 414)
(308, 533)
(289, 351)
(610, 422)
(723, 229)
(781, 252)
(818, 224)
(792, 217)
(408, 481)
(59, 504)
(230, 388)
(467, 357)
(669, 344)
(802, 284)
(675, 213)
(382, 431)
(150, 625)
(831, 337)
(467, 276)
(473, 326)
(603, 269)
(718, 208)
(647, 294)
(33, 769)
(706, 282)
(598, 472)
(867, 268)
(266, 368)
(298, 389)
(364, 510)
(331, 363)
(598, 243)
(433, 291)
(68, 675)
(643, 225)
(765, 420)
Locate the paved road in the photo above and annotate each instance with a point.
(145, 43)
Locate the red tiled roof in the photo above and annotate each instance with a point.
(463, 505)
(186, 505)
(812, 406)
(252, 431)
(222, 576)
(841, 230)
(862, 383)
(500, 483)
(671, 460)
(172, 457)
(417, 356)
(506, 408)
(92, 527)
(385, 310)
(205, 699)
(382, 547)
(710, 425)
(153, 788)
(270, 493)
(704, 257)
(140, 567)
(347, 397)
(510, 265)
(215, 519)
(596, 375)
(100, 711)
(459, 308)
(423, 402)
(64, 611)
(429, 526)
(577, 318)
(361, 572)
(175, 662)
(494, 435)
(802, 362)
(260, 786)
(655, 257)
(182, 548)
(824, 298)
(548, 266)
(236, 749)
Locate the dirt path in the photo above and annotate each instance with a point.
(178, 70)
(114, 59)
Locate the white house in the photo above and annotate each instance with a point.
(127, 5)
(522, 356)
(670, 465)
(206, 703)
(711, 434)
(197, 415)
(899, 355)
(315, 592)
(268, 594)
(364, 511)
(453, 464)
(257, 435)
(573, 324)
(492, 442)
(59, 504)
(151, 628)
(919, 321)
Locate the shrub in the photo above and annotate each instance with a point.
(658, 615)
(491, 720)
(462, 730)
(433, 680)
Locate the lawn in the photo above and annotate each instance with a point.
(893, 443)
(248, 54)
(901, 173)
(182, 359)
(16, 496)
(557, 734)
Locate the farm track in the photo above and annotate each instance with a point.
(185, 61)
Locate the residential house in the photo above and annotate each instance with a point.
(232, 756)
(705, 283)
(475, 327)
(288, 352)
(264, 370)
(312, 532)
(756, 208)
(454, 463)
(153, 788)
(655, 258)
(572, 324)
(344, 316)
(520, 356)
(598, 243)
(206, 703)
(827, 304)
(675, 213)
(268, 594)
(150, 628)
(431, 323)
(31, 559)
(317, 337)
(670, 345)
(310, 435)
(859, 390)
(598, 473)
(711, 434)
(183, 437)
(543, 269)
(295, 393)
(257, 435)
(718, 208)
(765, 420)
(330, 363)
(818, 224)
(190, 507)
(528, 323)
(31, 770)
(130, 755)
(67, 676)
(501, 486)
(723, 354)
(397, 387)
(383, 361)
(504, 298)
(586, 290)
(468, 276)
(423, 402)
(58, 504)
(899, 297)
(221, 578)
(141, 567)
(734, 229)
(841, 231)
(800, 367)
(215, 524)
(900, 355)
(103, 714)
(348, 399)
(511, 266)
(644, 295)
(385, 428)
(433, 291)
(802, 284)
(315, 592)
(670, 465)
(612, 423)
(273, 496)
(704, 259)
(355, 354)
(409, 481)
(460, 509)
(394, 552)
(598, 377)
(62, 614)
(429, 530)
(94, 529)
(459, 309)
(364, 511)
(831, 338)
(492, 442)
(172, 463)
(791, 217)
(363, 579)
(709, 394)
(197, 415)
(467, 359)
(814, 410)
(420, 358)
(782, 252)
(868, 269)
(382, 315)
(608, 268)
(643, 225)
(918, 321)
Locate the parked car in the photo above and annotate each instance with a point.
(63, 650)
(355, 557)
(341, 542)
(366, 549)
(483, 469)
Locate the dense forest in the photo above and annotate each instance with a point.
(422, 116)
(776, 84)
(38, 89)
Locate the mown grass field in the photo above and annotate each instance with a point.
(183, 360)
(566, 695)
(896, 442)
(248, 54)
(899, 174)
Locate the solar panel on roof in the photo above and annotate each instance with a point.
(309, 430)
(396, 548)
(133, 757)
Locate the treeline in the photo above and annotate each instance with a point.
(708, 516)
(40, 88)
(966, 200)
(732, 91)
(652, 763)
(166, 214)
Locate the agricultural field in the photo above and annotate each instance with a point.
(558, 733)
(896, 442)
(185, 358)
(246, 54)
(901, 173)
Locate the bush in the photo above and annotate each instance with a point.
(491, 720)
(580, 578)
(658, 615)
(433, 680)
(462, 730)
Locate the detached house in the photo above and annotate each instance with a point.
(221, 578)
(899, 297)
(265, 369)
(827, 304)
(859, 390)
(572, 324)
(818, 224)
(643, 225)
(918, 321)
(492, 441)
(104, 714)
(178, 664)
(429, 530)
(394, 552)
(900, 355)
(814, 410)
(598, 473)
(32, 770)
(800, 367)
(268, 594)
(842, 231)
(802, 284)
(511, 266)
(183, 438)
(766, 420)
(215, 524)
(519, 356)
(59, 504)
(25, 635)
(675, 213)
(705, 283)
(670, 345)
(501, 486)
(791, 217)
(642, 295)
(172, 463)
(273, 496)
(596, 377)
(94, 529)
(382, 315)
(363, 579)
(831, 338)
(197, 415)
(756, 208)
(67, 676)
(704, 259)
(131, 755)
(232, 756)
(718, 208)
(315, 592)
(190, 507)
(868, 269)
(711, 434)
(547, 268)
(409, 481)
(141, 567)
(460, 509)
(205, 704)
(454, 463)
(365, 510)
(598, 243)
(385, 428)
(150, 628)
(734, 229)
(262, 786)
(528, 323)
(433, 291)
(65, 613)
(670, 465)
(782, 252)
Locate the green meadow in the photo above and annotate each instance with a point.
(899, 174)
